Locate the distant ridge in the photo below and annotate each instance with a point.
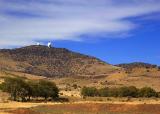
(136, 65)
(50, 62)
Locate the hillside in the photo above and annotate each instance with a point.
(137, 65)
(139, 68)
(50, 62)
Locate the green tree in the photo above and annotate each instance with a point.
(104, 92)
(17, 87)
(133, 91)
(147, 92)
(89, 91)
(127, 91)
(33, 89)
(22, 89)
(48, 89)
(123, 92)
(113, 92)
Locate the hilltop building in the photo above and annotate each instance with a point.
(49, 44)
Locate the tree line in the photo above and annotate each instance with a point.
(23, 90)
(130, 91)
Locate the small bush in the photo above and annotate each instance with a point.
(75, 86)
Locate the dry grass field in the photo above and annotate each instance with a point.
(89, 108)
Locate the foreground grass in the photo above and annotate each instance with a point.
(91, 108)
(89, 105)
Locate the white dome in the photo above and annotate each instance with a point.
(49, 44)
(38, 44)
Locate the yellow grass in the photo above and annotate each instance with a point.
(14, 105)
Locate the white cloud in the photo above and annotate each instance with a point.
(25, 21)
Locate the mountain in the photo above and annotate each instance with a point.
(50, 62)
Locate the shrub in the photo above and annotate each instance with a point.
(89, 91)
(113, 92)
(133, 91)
(158, 94)
(147, 92)
(127, 91)
(104, 92)
(75, 86)
(123, 92)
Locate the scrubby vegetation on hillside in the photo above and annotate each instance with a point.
(130, 91)
(137, 65)
(20, 89)
(50, 62)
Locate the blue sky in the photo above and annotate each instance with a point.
(116, 31)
